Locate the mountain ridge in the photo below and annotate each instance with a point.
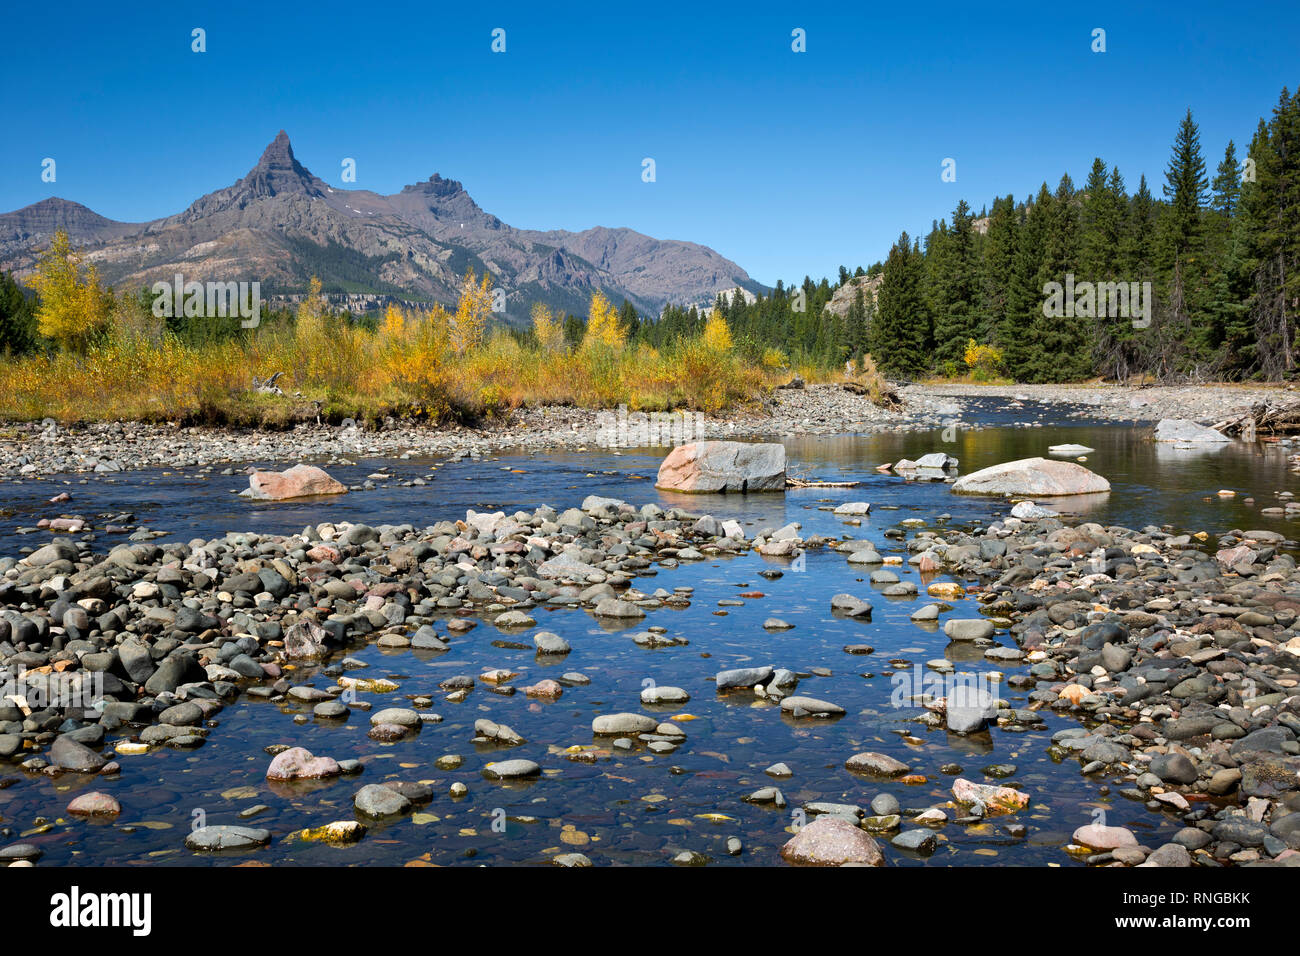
(280, 224)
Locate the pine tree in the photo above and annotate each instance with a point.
(999, 258)
(1179, 350)
(855, 326)
(900, 335)
(954, 305)
(1226, 187)
(17, 318)
(1104, 221)
(1271, 235)
(1024, 291)
(1061, 347)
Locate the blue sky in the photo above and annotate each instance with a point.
(788, 163)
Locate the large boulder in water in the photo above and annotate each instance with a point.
(1185, 430)
(1037, 477)
(300, 481)
(722, 466)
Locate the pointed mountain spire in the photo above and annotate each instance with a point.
(278, 152)
(278, 172)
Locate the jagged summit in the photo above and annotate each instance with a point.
(436, 185)
(279, 172)
(279, 150)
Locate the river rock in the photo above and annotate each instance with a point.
(968, 628)
(968, 708)
(936, 459)
(216, 838)
(511, 769)
(94, 804)
(338, 833)
(996, 799)
(832, 841)
(376, 800)
(621, 724)
(742, 677)
(916, 841)
(298, 763)
(1028, 511)
(305, 640)
(1185, 430)
(69, 754)
(1173, 768)
(664, 695)
(1170, 854)
(300, 481)
(876, 765)
(1101, 837)
(1036, 477)
(722, 466)
(614, 608)
(551, 644)
(810, 706)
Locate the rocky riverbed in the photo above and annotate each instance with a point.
(1171, 658)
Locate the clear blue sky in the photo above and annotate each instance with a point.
(790, 164)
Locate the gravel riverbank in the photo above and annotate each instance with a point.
(32, 449)
(1119, 403)
(28, 449)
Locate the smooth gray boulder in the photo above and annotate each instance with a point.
(1033, 477)
(1186, 430)
(742, 677)
(937, 459)
(968, 628)
(223, 837)
(969, 707)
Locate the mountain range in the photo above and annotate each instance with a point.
(280, 225)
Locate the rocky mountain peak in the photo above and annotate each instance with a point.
(436, 186)
(278, 172)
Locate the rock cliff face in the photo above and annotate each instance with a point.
(842, 298)
(280, 224)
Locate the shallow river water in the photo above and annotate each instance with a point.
(637, 807)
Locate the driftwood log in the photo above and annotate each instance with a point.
(1263, 418)
(806, 483)
(886, 397)
(268, 386)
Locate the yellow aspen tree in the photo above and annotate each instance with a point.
(603, 327)
(473, 310)
(717, 334)
(311, 312)
(73, 308)
(393, 327)
(547, 328)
